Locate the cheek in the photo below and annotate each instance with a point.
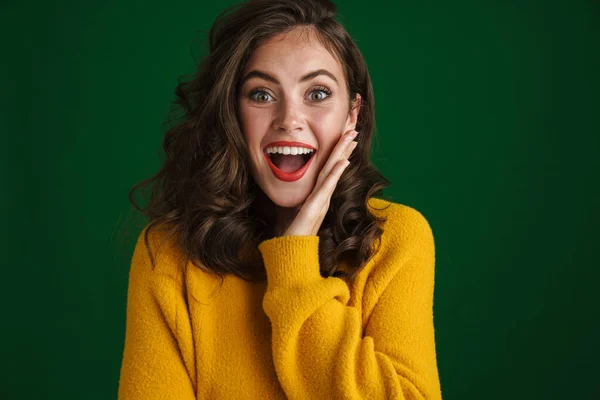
(328, 123)
(327, 142)
(330, 118)
(254, 123)
(328, 131)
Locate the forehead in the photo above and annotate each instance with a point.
(292, 54)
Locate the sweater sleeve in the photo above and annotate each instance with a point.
(319, 348)
(157, 358)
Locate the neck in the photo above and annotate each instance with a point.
(282, 216)
(283, 219)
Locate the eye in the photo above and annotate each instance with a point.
(321, 89)
(260, 92)
(261, 95)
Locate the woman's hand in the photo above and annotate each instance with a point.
(310, 216)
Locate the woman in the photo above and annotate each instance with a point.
(257, 276)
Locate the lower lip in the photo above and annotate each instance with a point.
(289, 176)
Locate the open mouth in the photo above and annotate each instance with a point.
(288, 167)
(289, 163)
(292, 161)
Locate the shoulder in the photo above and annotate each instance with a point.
(169, 260)
(404, 223)
(407, 244)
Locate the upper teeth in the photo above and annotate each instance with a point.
(289, 150)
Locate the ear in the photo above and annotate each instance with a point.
(353, 114)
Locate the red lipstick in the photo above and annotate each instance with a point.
(288, 176)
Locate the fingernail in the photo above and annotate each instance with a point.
(354, 134)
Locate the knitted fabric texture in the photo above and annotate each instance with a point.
(296, 336)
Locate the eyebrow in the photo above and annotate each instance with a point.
(263, 75)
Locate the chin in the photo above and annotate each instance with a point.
(289, 200)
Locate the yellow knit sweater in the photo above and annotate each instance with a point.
(299, 336)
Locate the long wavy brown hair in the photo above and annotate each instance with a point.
(204, 197)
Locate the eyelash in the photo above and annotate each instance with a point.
(315, 89)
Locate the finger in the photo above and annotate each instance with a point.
(347, 153)
(330, 182)
(316, 205)
(336, 155)
(322, 196)
(350, 149)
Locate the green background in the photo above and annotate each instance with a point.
(488, 123)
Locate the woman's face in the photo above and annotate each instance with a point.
(277, 103)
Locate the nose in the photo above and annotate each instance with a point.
(288, 117)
